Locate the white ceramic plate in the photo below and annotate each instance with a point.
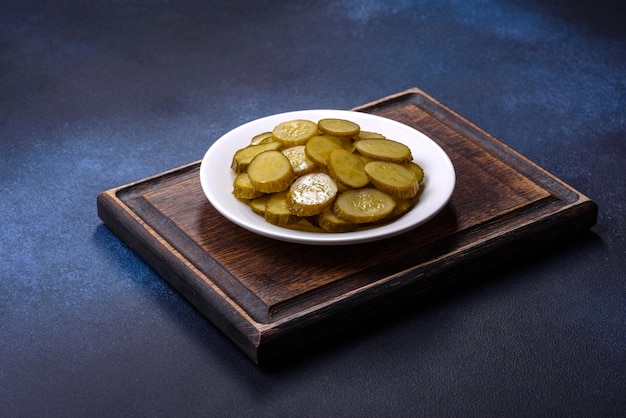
(217, 178)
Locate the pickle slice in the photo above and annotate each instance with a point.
(258, 205)
(244, 156)
(338, 127)
(384, 149)
(270, 172)
(330, 222)
(417, 170)
(243, 188)
(310, 194)
(363, 205)
(300, 163)
(347, 168)
(319, 147)
(305, 225)
(277, 212)
(294, 132)
(368, 135)
(263, 138)
(394, 179)
(402, 207)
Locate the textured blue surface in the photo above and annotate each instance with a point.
(94, 95)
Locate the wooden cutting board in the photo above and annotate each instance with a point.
(270, 297)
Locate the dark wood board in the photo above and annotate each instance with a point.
(269, 296)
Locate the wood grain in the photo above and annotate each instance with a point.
(268, 296)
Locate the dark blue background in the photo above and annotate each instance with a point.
(98, 94)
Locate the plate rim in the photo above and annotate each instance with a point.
(268, 230)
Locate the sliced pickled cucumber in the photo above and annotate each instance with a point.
(310, 194)
(263, 138)
(330, 222)
(305, 225)
(384, 149)
(244, 156)
(338, 127)
(277, 212)
(319, 147)
(402, 207)
(300, 163)
(368, 135)
(258, 205)
(394, 179)
(294, 132)
(243, 188)
(363, 157)
(271, 172)
(363, 205)
(347, 168)
(417, 170)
